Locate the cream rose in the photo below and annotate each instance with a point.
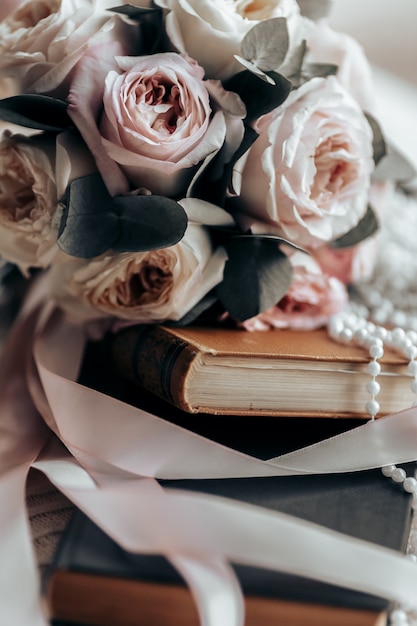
(148, 287)
(42, 40)
(211, 31)
(312, 298)
(28, 200)
(307, 176)
(354, 71)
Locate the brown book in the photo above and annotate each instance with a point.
(94, 581)
(278, 373)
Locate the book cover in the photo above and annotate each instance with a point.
(230, 371)
(93, 581)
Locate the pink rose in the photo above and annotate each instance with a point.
(42, 41)
(357, 263)
(307, 176)
(312, 298)
(157, 123)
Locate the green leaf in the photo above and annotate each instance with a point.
(254, 70)
(133, 11)
(259, 97)
(93, 222)
(315, 9)
(322, 70)
(378, 143)
(394, 166)
(366, 227)
(266, 44)
(256, 276)
(36, 111)
(148, 223)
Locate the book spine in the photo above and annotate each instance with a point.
(157, 361)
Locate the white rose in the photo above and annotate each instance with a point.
(354, 71)
(307, 176)
(28, 200)
(211, 31)
(145, 287)
(42, 41)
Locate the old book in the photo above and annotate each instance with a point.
(93, 581)
(230, 371)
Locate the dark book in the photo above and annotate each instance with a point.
(94, 582)
(229, 371)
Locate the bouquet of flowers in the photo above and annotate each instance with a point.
(173, 160)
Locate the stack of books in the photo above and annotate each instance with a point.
(264, 405)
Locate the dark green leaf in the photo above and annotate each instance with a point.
(259, 97)
(266, 44)
(93, 222)
(36, 111)
(394, 166)
(379, 146)
(315, 9)
(256, 276)
(367, 226)
(134, 12)
(89, 225)
(148, 223)
(215, 176)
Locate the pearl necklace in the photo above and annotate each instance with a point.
(358, 324)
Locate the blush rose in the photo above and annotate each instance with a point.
(157, 123)
(312, 298)
(307, 176)
(42, 41)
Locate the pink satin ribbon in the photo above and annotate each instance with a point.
(114, 452)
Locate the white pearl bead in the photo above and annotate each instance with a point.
(374, 368)
(361, 335)
(376, 351)
(398, 617)
(346, 335)
(372, 407)
(410, 352)
(412, 368)
(410, 485)
(373, 387)
(398, 475)
(387, 470)
(398, 334)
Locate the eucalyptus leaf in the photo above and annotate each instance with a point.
(266, 44)
(321, 70)
(394, 166)
(378, 143)
(148, 223)
(93, 222)
(256, 276)
(134, 12)
(259, 97)
(36, 111)
(366, 227)
(315, 9)
(89, 225)
(251, 67)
